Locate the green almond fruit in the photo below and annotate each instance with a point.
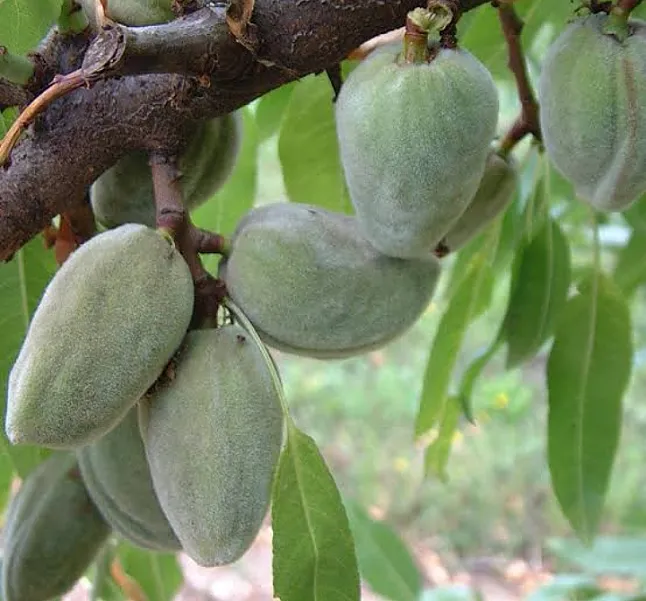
(592, 93)
(124, 193)
(312, 285)
(495, 193)
(106, 326)
(116, 473)
(52, 532)
(131, 12)
(413, 141)
(212, 437)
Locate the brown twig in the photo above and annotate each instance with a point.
(173, 217)
(128, 586)
(528, 121)
(76, 227)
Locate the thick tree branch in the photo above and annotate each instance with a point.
(84, 133)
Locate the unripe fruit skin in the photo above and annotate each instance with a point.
(117, 476)
(592, 92)
(124, 193)
(106, 326)
(213, 436)
(311, 284)
(51, 534)
(131, 12)
(495, 193)
(413, 141)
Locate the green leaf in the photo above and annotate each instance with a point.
(384, 561)
(630, 269)
(223, 211)
(538, 293)
(587, 373)
(455, 592)
(22, 282)
(271, 109)
(158, 574)
(609, 555)
(23, 23)
(314, 557)
(472, 296)
(570, 587)
(437, 454)
(635, 215)
(308, 149)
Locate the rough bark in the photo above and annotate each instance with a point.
(167, 77)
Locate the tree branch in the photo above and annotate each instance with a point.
(82, 134)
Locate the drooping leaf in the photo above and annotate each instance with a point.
(437, 453)
(22, 282)
(587, 373)
(538, 293)
(384, 561)
(570, 587)
(308, 148)
(630, 269)
(471, 297)
(314, 557)
(158, 574)
(24, 23)
(635, 215)
(609, 555)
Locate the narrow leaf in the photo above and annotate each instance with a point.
(538, 293)
(617, 555)
(158, 574)
(630, 270)
(570, 587)
(22, 282)
(587, 373)
(437, 454)
(472, 296)
(308, 147)
(384, 561)
(314, 557)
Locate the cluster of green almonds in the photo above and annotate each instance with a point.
(169, 436)
(591, 93)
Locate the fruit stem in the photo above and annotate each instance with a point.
(617, 24)
(189, 240)
(419, 23)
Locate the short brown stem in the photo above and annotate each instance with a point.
(189, 240)
(528, 121)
